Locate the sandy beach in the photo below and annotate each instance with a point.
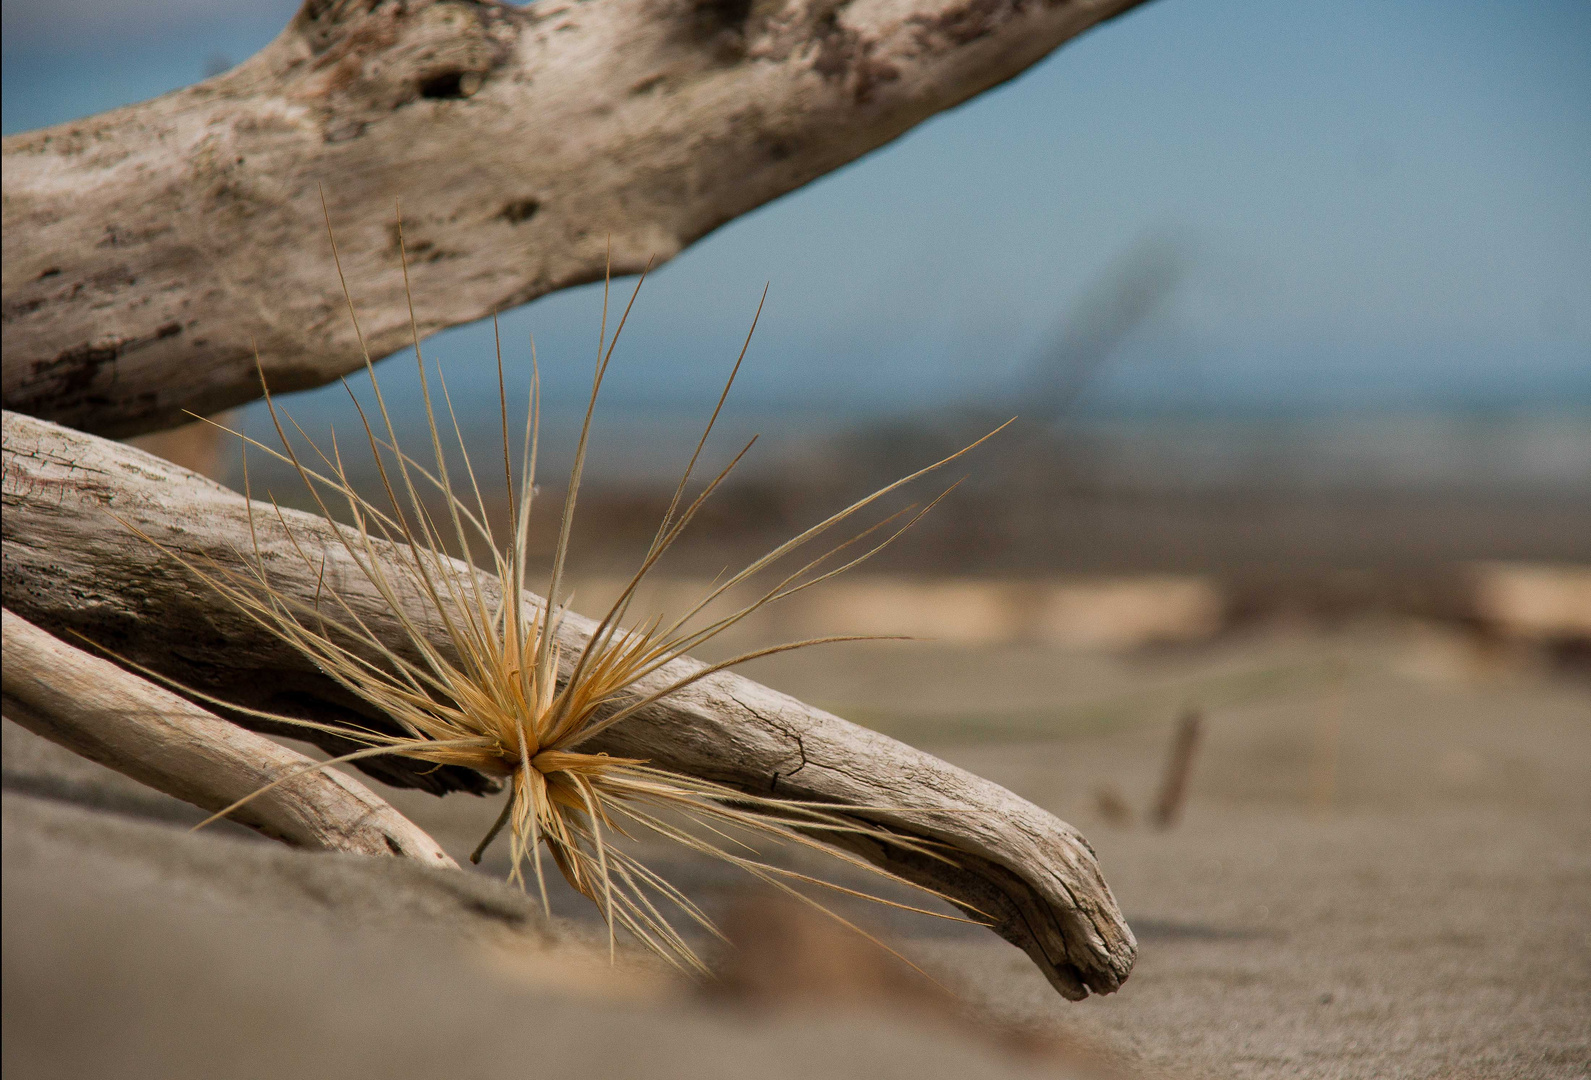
(1381, 870)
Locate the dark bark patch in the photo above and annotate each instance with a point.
(871, 74)
(17, 309)
(335, 29)
(63, 384)
(451, 85)
(520, 211)
(444, 85)
(74, 370)
(721, 27)
(844, 54)
(970, 21)
(715, 15)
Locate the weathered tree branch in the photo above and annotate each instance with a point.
(131, 725)
(148, 251)
(69, 564)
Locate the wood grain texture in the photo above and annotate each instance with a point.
(145, 731)
(148, 251)
(69, 564)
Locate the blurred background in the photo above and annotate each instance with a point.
(1293, 305)
(1297, 297)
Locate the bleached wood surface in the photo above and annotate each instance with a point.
(68, 564)
(138, 728)
(149, 250)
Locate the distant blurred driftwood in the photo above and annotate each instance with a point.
(69, 564)
(1533, 602)
(1179, 769)
(149, 733)
(1103, 613)
(150, 250)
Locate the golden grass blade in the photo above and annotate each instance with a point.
(562, 550)
(690, 466)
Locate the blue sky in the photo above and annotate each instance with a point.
(1381, 206)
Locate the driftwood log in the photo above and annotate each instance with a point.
(150, 250)
(69, 564)
(145, 731)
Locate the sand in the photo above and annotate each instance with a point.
(1383, 870)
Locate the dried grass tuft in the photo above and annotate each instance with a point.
(494, 701)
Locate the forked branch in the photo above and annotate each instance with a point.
(70, 565)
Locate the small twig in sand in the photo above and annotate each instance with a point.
(1174, 783)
